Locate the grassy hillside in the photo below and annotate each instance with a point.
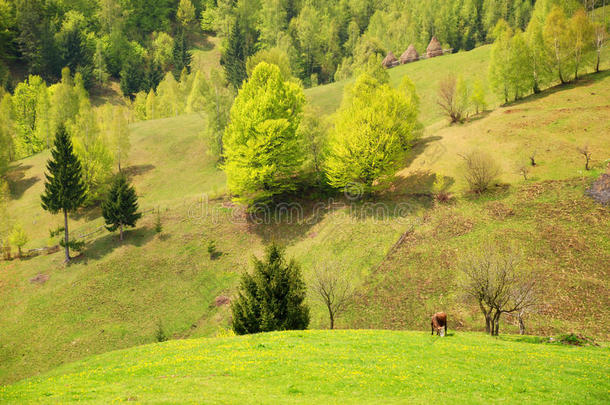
(426, 74)
(329, 367)
(116, 296)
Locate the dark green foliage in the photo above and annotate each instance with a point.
(120, 208)
(212, 250)
(158, 224)
(233, 58)
(182, 56)
(272, 298)
(133, 77)
(160, 336)
(64, 187)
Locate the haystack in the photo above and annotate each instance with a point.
(390, 60)
(434, 48)
(410, 55)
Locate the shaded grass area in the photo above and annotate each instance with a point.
(360, 366)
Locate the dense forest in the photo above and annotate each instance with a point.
(137, 41)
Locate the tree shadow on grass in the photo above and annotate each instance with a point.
(583, 81)
(420, 146)
(137, 170)
(17, 182)
(106, 244)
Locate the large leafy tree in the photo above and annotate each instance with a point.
(261, 142)
(375, 125)
(120, 209)
(64, 187)
(272, 298)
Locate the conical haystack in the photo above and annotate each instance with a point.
(434, 48)
(390, 60)
(410, 55)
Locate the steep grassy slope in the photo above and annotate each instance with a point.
(116, 296)
(329, 367)
(427, 74)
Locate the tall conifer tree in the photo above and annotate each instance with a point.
(64, 187)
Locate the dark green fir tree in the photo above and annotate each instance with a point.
(233, 58)
(64, 187)
(272, 298)
(121, 206)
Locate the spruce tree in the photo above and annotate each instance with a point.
(233, 58)
(121, 206)
(64, 186)
(272, 298)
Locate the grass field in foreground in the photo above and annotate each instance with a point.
(363, 366)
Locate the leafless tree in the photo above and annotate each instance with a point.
(493, 281)
(481, 170)
(599, 39)
(452, 99)
(524, 171)
(586, 152)
(334, 290)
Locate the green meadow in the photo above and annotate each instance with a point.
(348, 366)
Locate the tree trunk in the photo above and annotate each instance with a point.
(121, 232)
(521, 325)
(66, 237)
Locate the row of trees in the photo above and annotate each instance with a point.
(325, 41)
(132, 40)
(272, 297)
(34, 113)
(561, 41)
(265, 140)
(66, 191)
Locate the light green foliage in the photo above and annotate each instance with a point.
(540, 55)
(275, 56)
(92, 150)
(521, 77)
(500, 69)
(5, 220)
(214, 98)
(25, 103)
(7, 147)
(151, 106)
(114, 121)
(18, 238)
(373, 128)
(478, 96)
(557, 38)
(139, 106)
(582, 35)
(44, 124)
(169, 101)
(313, 132)
(186, 14)
(261, 143)
(163, 49)
(64, 100)
(372, 67)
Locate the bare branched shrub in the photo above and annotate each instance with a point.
(453, 98)
(586, 152)
(493, 281)
(481, 170)
(334, 290)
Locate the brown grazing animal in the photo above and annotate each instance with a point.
(439, 320)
